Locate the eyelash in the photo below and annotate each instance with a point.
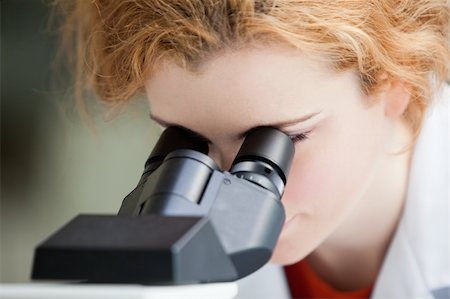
(300, 137)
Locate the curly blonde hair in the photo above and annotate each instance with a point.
(119, 43)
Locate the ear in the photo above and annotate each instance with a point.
(396, 98)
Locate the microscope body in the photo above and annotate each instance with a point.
(185, 222)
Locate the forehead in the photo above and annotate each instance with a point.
(253, 85)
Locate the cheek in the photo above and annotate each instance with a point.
(328, 177)
(333, 169)
(327, 182)
(305, 183)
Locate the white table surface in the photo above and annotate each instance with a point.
(78, 291)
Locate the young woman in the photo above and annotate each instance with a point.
(356, 84)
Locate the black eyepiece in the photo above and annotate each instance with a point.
(265, 158)
(268, 145)
(174, 138)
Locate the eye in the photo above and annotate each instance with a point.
(299, 137)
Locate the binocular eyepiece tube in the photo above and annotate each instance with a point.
(263, 159)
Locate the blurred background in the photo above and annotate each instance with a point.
(52, 166)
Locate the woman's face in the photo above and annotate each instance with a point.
(339, 137)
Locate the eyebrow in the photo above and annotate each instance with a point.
(241, 135)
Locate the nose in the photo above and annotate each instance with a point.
(223, 157)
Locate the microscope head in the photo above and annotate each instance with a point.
(185, 222)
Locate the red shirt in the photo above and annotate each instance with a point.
(304, 283)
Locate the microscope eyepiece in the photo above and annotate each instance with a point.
(174, 138)
(265, 158)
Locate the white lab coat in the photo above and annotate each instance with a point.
(417, 263)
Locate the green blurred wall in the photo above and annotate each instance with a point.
(52, 166)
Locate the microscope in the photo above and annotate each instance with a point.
(186, 222)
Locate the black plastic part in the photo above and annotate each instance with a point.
(181, 175)
(174, 138)
(179, 181)
(146, 250)
(268, 145)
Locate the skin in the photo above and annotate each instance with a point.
(347, 184)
